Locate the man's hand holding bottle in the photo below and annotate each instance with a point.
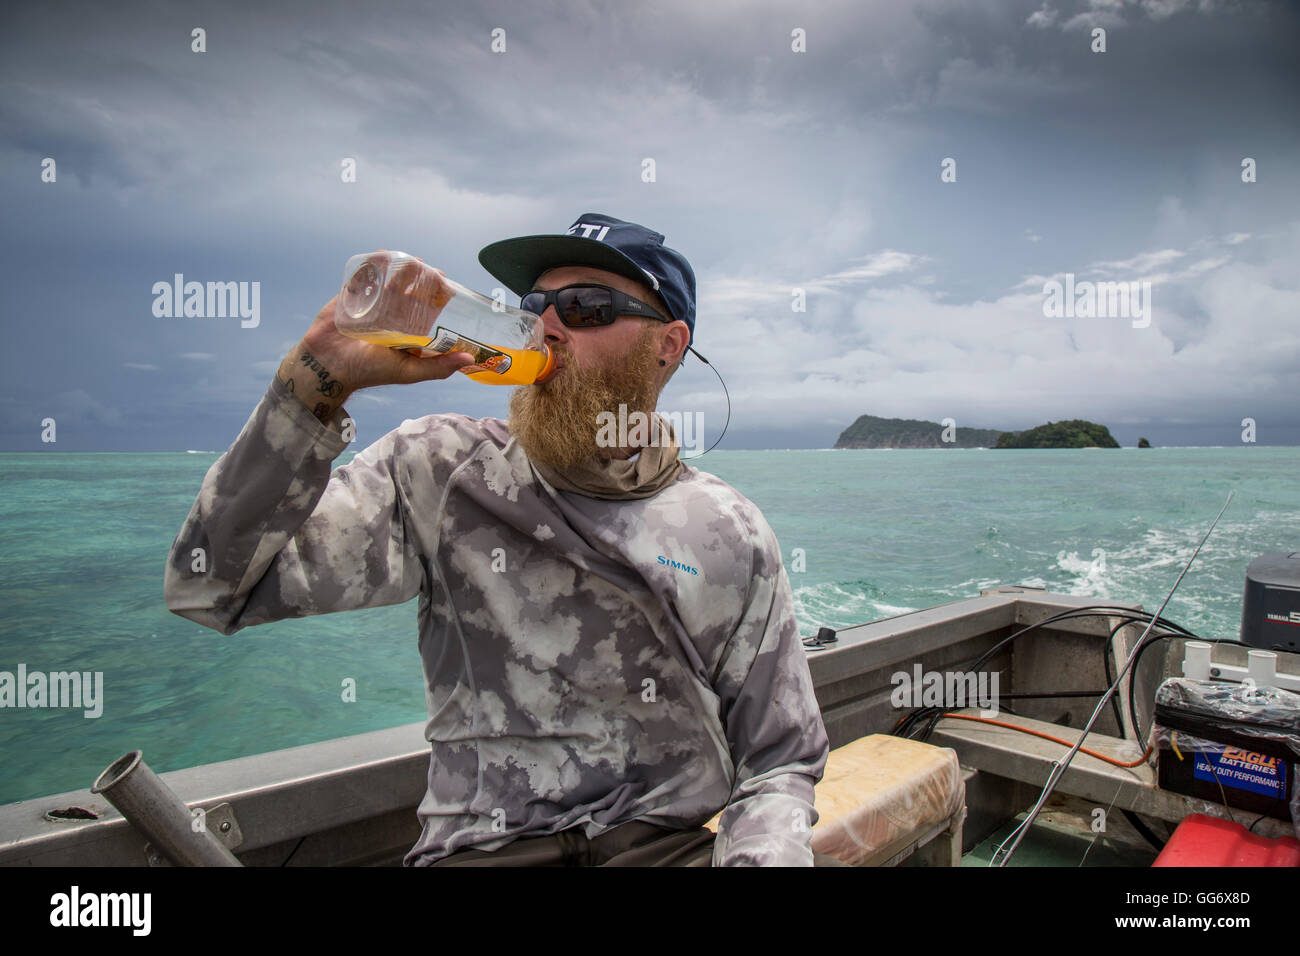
(326, 367)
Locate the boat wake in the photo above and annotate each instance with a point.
(835, 605)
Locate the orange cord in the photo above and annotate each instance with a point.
(1055, 740)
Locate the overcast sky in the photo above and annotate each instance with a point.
(775, 170)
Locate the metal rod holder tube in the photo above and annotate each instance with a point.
(151, 807)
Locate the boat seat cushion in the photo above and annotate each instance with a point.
(882, 792)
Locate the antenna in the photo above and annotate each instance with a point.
(1058, 768)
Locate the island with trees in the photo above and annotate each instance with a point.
(1076, 433)
(870, 431)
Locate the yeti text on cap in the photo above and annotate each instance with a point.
(587, 230)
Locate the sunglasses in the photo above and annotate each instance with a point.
(588, 306)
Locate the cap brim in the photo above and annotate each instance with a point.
(518, 262)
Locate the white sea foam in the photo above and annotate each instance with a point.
(831, 605)
(890, 610)
(1090, 577)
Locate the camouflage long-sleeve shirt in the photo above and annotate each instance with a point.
(586, 662)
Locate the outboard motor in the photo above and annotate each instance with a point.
(1270, 611)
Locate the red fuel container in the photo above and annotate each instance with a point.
(1201, 840)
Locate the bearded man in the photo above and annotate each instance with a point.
(609, 646)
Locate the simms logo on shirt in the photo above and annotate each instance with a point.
(678, 565)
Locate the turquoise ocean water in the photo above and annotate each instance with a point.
(85, 537)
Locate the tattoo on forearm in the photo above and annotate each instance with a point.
(322, 411)
(329, 387)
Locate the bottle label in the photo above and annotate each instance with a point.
(486, 358)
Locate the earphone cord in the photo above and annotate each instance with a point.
(724, 392)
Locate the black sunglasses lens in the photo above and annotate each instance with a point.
(584, 307)
(579, 307)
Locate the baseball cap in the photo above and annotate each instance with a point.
(602, 242)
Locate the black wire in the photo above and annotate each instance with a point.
(1131, 617)
(940, 711)
(932, 715)
(1136, 822)
(1109, 648)
(936, 713)
(1114, 704)
(905, 728)
(1090, 610)
(1135, 618)
(724, 392)
(293, 851)
(1132, 681)
(1227, 808)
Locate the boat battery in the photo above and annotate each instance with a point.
(1229, 743)
(1270, 607)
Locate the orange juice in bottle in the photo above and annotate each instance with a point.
(395, 300)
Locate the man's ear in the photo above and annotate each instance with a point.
(674, 342)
